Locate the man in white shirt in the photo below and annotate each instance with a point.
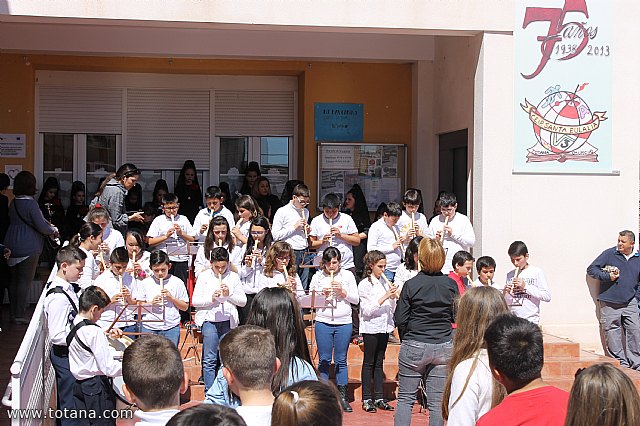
(334, 229)
(452, 228)
(290, 225)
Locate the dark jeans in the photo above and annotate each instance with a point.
(212, 332)
(333, 340)
(64, 382)
(303, 273)
(95, 395)
(374, 347)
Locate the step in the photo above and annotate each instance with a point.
(567, 366)
(560, 347)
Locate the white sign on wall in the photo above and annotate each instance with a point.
(13, 145)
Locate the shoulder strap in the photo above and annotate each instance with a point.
(74, 334)
(59, 290)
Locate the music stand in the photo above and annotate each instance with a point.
(313, 300)
(141, 308)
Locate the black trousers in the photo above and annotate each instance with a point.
(95, 395)
(181, 270)
(375, 346)
(243, 312)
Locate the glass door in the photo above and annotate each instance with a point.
(58, 162)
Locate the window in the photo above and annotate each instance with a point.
(272, 153)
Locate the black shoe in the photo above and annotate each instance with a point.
(383, 405)
(344, 400)
(201, 380)
(369, 406)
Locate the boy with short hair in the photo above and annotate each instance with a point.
(516, 358)
(524, 293)
(332, 228)
(486, 269)
(215, 207)
(290, 224)
(167, 294)
(119, 287)
(91, 361)
(60, 308)
(410, 215)
(457, 234)
(384, 235)
(170, 233)
(154, 378)
(217, 296)
(249, 360)
(462, 263)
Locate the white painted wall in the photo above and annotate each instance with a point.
(565, 220)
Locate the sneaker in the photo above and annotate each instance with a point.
(369, 406)
(383, 405)
(359, 342)
(393, 339)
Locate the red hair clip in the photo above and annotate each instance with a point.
(98, 205)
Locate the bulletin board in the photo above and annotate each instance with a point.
(379, 169)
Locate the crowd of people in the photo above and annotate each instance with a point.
(243, 267)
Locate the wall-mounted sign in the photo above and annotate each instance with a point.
(563, 80)
(12, 145)
(334, 122)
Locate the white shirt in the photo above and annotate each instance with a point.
(375, 318)
(255, 415)
(89, 273)
(244, 230)
(381, 237)
(221, 308)
(344, 222)
(111, 285)
(154, 418)
(98, 362)
(278, 279)
(150, 288)
(477, 283)
(535, 291)
(202, 263)
(250, 275)
(112, 238)
(462, 237)
(403, 275)
(175, 243)
(404, 223)
(142, 258)
(476, 399)
(283, 226)
(340, 311)
(205, 215)
(58, 310)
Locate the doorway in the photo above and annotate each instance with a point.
(453, 166)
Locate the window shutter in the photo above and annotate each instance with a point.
(165, 127)
(80, 110)
(254, 113)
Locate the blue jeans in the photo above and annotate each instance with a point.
(212, 332)
(133, 329)
(333, 339)
(390, 275)
(64, 384)
(415, 360)
(303, 273)
(172, 334)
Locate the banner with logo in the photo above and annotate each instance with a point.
(563, 86)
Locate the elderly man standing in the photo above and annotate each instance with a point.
(618, 269)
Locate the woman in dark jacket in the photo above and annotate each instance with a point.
(268, 202)
(25, 237)
(424, 314)
(188, 191)
(111, 196)
(77, 210)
